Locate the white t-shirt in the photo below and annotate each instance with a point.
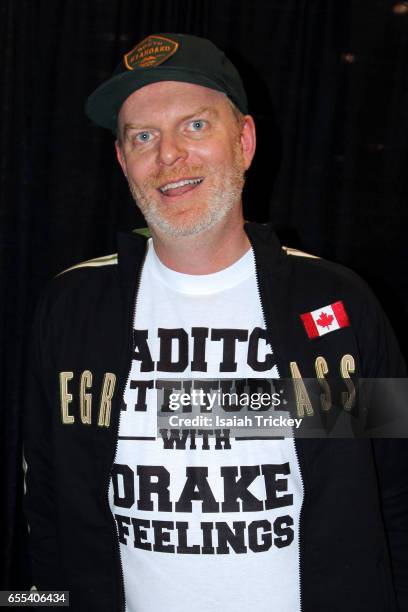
(214, 525)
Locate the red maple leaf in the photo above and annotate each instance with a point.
(325, 320)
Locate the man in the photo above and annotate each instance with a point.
(127, 517)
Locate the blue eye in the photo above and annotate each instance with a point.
(143, 136)
(197, 124)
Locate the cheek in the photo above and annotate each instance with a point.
(138, 172)
(222, 153)
(210, 158)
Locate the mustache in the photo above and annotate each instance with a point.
(162, 178)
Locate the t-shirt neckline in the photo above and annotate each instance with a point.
(200, 284)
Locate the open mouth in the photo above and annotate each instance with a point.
(180, 187)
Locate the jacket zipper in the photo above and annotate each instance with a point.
(122, 605)
(260, 295)
(301, 530)
(133, 316)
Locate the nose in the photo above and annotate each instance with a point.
(171, 149)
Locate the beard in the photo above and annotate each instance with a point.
(222, 194)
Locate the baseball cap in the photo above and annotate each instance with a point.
(165, 57)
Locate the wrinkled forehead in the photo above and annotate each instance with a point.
(170, 99)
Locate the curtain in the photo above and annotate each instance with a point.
(327, 85)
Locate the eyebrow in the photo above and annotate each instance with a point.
(200, 111)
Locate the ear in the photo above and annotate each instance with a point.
(248, 140)
(120, 157)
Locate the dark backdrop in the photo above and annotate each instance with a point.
(333, 73)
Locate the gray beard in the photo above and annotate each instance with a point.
(223, 195)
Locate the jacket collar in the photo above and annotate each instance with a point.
(132, 246)
(131, 253)
(269, 257)
(264, 241)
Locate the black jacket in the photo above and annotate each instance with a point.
(354, 519)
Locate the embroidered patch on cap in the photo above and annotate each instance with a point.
(152, 51)
(326, 319)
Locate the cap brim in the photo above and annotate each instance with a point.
(104, 103)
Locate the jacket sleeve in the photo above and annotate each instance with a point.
(39, 500)
(381, 358)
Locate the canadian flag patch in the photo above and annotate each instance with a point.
(324, 320)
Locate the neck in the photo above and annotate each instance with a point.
(205, 253)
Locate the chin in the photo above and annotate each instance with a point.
(171, 228)
(189, 219)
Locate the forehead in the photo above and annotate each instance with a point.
(171, 99)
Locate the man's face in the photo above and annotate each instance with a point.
(184, 154)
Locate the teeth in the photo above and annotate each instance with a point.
(180, 184)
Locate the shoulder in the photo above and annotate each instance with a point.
(79, 288)
(315, 283)
(98, 279)
(317, 279)
(318, 283)
(316, 274)
(89, 272)
(97, 262)
(304, 280)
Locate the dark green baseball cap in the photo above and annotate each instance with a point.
(165, 57)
